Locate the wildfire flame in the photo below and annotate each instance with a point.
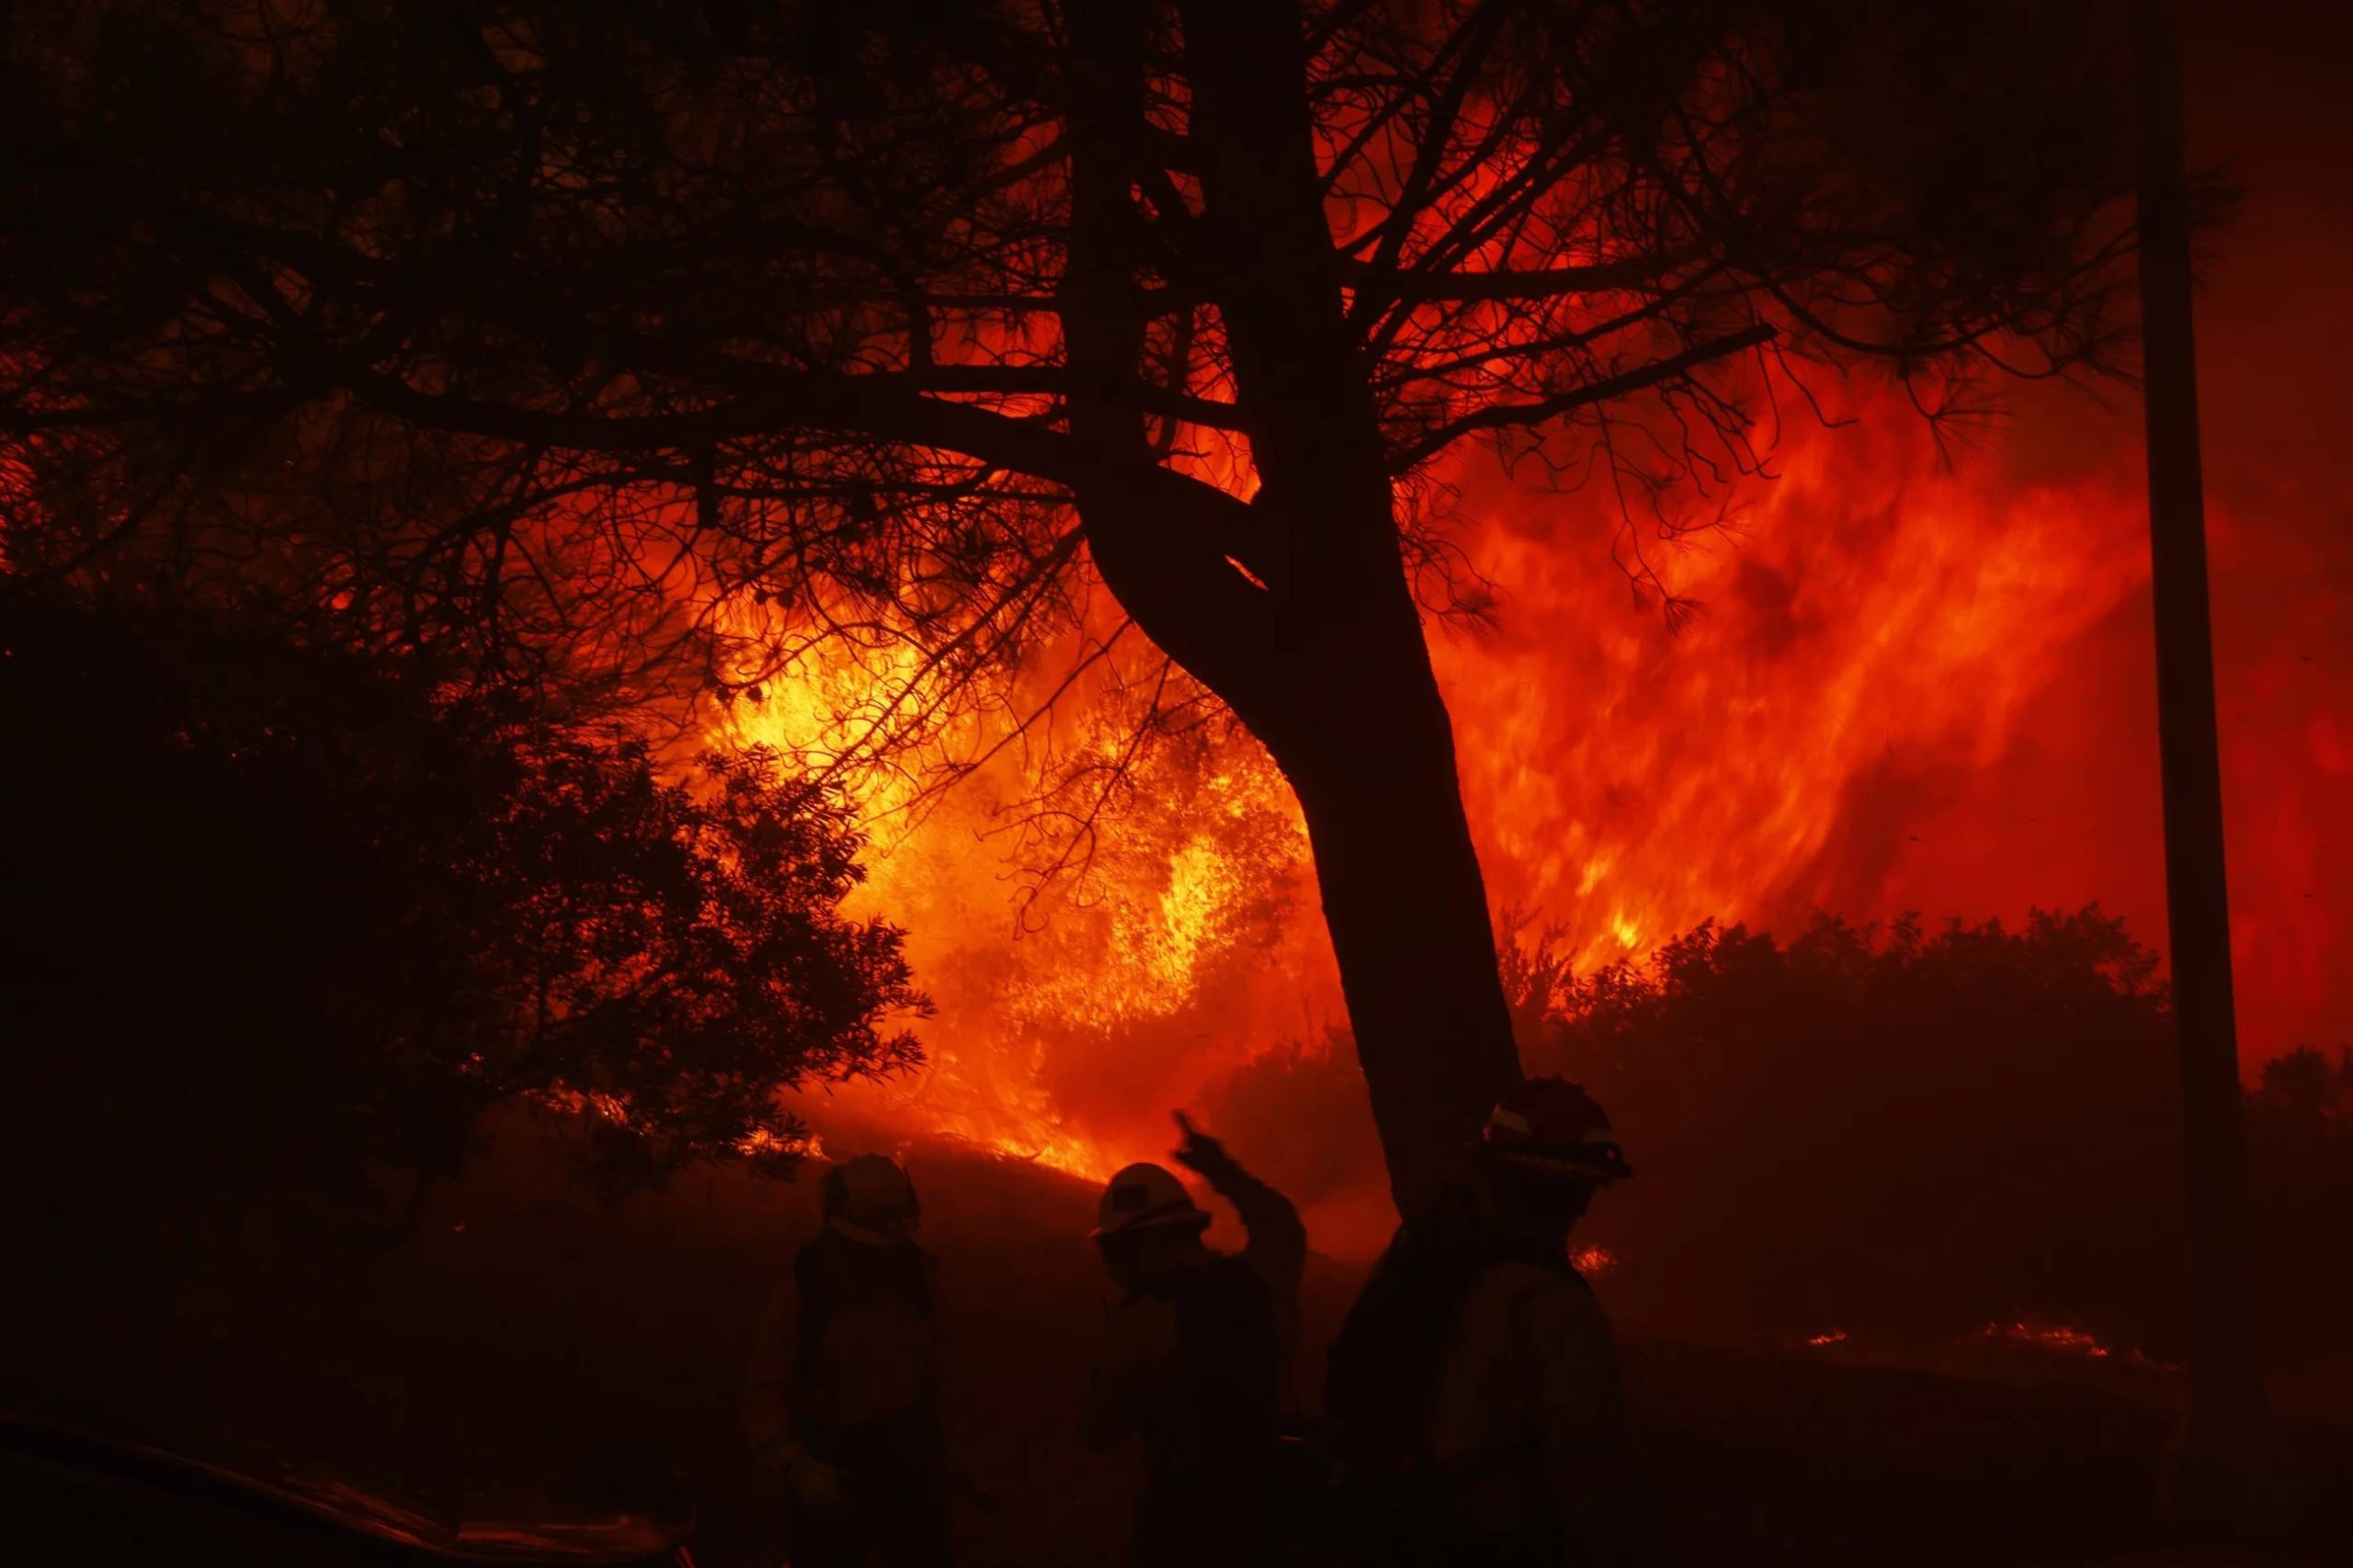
(1877, 633)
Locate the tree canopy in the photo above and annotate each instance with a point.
(641, 348)
(796, 300)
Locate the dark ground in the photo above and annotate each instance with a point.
(532, 1343)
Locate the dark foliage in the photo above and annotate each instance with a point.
(2299, 1144)
(280, 927)
(1890, 1128)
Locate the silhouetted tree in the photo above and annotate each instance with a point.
(565, 334)
(281, 924)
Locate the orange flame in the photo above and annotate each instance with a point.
(1880, 650)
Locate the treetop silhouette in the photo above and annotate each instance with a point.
(561, 337)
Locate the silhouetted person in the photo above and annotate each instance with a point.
(842, 1406)
(1195, 1358)
(1474, 1392)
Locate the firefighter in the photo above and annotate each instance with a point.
(1474, 1390)
(842, 1405)
(1194, 1356)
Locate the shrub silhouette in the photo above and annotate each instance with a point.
(282, 924)
(1894, 1131)
(1887, 1127)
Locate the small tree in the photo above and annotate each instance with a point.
(282, 925)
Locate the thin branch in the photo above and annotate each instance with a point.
(1502, 415)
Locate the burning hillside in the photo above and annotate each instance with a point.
(1895, 663)
(1918, 680)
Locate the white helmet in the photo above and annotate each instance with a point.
(870, 1200)
(1146, 1198)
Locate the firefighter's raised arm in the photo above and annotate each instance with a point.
(1277, 1247)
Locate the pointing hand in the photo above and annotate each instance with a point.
(1200, 1151)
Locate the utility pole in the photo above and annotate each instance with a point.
(2223, 1457)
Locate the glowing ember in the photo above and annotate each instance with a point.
(1834, 1336)
(2066, 1340)
(1590, 1261)
(767, 1140)
(593, 1102)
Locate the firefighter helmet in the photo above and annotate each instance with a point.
(1552, 1126)
(870, 1199)
(1146, 1198)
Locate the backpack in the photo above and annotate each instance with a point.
(1225, 1328)
(831, 1273)
(1380, 1387)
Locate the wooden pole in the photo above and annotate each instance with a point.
(2229, 1420)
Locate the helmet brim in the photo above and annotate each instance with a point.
(1188, 1218)
(871, 1235)
(1595, 1170)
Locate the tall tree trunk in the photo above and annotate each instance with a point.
(1319, 649)
(1373, 764)
(1359, 725)
(2220, 1445)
